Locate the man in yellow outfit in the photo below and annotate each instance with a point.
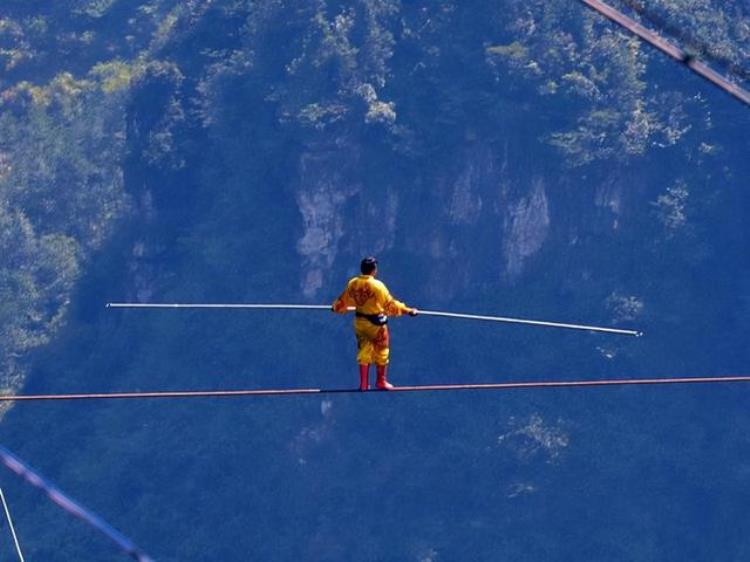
(373, 304)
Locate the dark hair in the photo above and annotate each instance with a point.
(368, 265)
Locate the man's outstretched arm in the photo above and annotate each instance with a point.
(393, 307)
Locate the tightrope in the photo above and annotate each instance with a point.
(174, 394)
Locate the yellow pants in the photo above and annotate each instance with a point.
(372, 342)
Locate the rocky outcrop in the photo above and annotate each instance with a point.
(466, 199)
(527, 223)
(322, 195)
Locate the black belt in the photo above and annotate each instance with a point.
(377, 319)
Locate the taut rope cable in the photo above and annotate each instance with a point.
(70, 506)
(666, 47)
(505, 319)
(171, 394)
(694, 44)
(12, 528)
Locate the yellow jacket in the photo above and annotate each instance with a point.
(369, 296)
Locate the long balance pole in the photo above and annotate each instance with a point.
(539, 323)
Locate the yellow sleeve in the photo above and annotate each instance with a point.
(341, 305)
(391, 306)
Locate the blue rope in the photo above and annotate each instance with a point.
(70, 506)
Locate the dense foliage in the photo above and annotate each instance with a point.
(520, 157)
(61, 192)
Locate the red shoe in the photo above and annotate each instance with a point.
(364, 377)
(382, 382)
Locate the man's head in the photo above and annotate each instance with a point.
(369, 266)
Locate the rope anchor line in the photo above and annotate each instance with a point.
(12, 527)
(69, 505)
(678, 54)
(453, 315)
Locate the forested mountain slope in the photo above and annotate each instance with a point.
(519, 158)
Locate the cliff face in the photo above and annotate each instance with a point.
(478, 218)
(466, 213)
(324, 194)
(470, 197)
(518, 158)
(526, 227)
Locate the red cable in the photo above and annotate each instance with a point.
(417, 388)
(666, 47)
